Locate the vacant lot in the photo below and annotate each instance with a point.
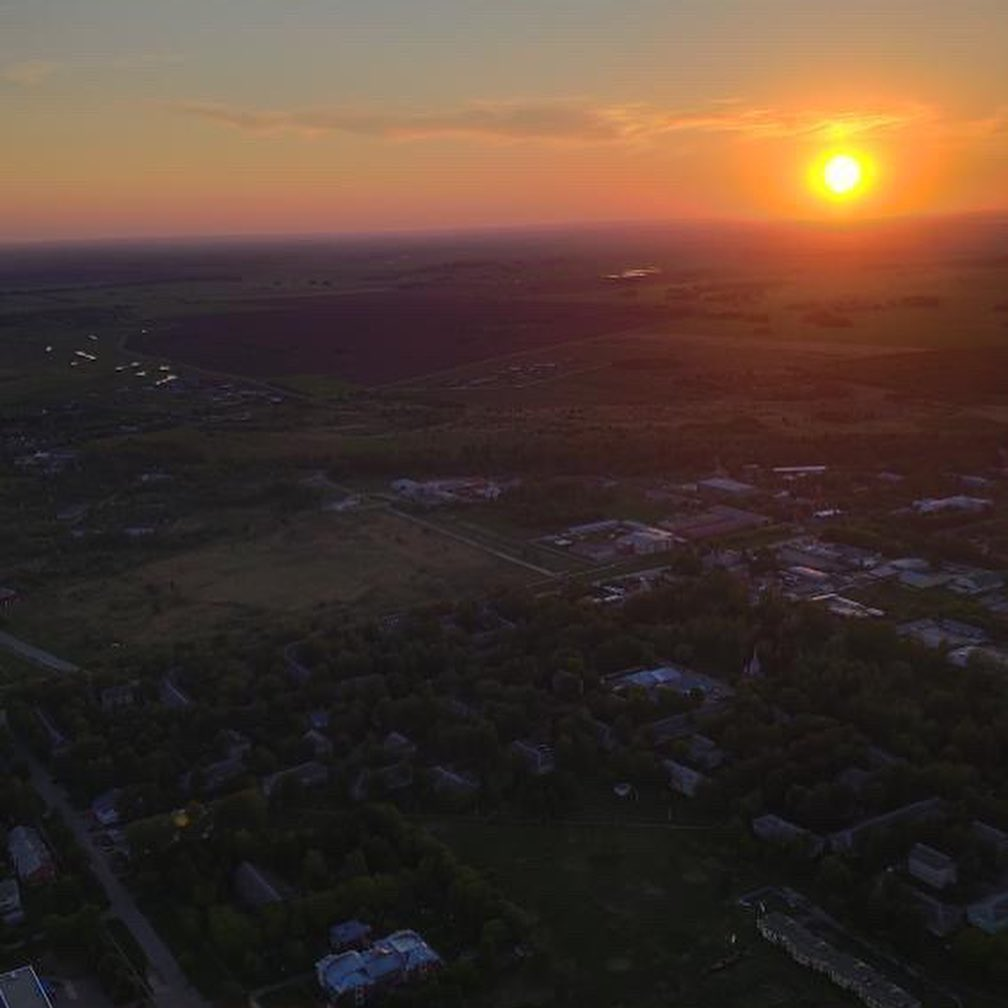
(366, 562)
(638, 916)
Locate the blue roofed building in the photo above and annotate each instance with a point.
(354, 978)
(670, 677)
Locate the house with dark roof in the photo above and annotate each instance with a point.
(321, 745)
(350, 934)
(704, 753)
(307, 775)
(931, 866)
(938, 917)
(171, 696)
(446, 781)
(254, 887)
(21, 988)
(683, 779)
(775, 830)
(398, 746)
(11, 912)
(846, 840)
(30, 856)
(535, 757)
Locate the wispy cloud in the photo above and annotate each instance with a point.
(560, 121)
(29, 73)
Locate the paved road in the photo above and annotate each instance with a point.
(168, 983)
(35, 655)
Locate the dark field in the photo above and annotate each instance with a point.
(384, 336)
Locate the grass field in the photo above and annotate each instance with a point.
(371, 561)
(638, 916)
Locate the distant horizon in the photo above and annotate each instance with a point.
(531, 227)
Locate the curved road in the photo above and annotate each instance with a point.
(169, 986)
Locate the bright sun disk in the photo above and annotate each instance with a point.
(842, 174)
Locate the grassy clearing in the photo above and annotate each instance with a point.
(638, 916)
(367, 561)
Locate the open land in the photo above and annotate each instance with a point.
(446, 489)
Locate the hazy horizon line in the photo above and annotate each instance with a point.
(489, 229)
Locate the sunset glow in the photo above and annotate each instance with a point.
(155, 119)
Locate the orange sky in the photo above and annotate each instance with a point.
(248, 116)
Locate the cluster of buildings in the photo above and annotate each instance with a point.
(360, 969)
(611, 539)
(431, 493)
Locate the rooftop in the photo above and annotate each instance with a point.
(21, 988)
(931, 857)
(673, 677)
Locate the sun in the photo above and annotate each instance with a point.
(841, 176)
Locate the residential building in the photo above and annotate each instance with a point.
(171, 696)
(445, 780)
(991, 837)
(847, 839)
(840, 605)
(725, 486)
(356, 977)
(683, 779)
(671, 728)
(321, 745)
(399, 746)
(958, 502)
(640, 542)
(21, 988)
(940, 918)
(704, 753)
(254, 887)
(393, 778)
(216, 775)
(931, 866)
(976, 582)
(938, 633)
(31, 857)
(671, 677)
(774, 829)
(990, 914)
(11, 912)
(831, 558)
(538, 759)
(306, 775)
(715, 522)
(923, 580)
(350, 934)
(848, 973)
(604, 735)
